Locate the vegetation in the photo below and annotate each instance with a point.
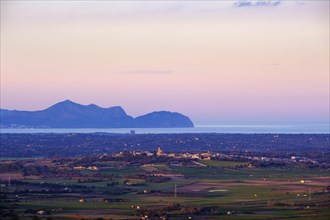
(121, 189)
(194, 176)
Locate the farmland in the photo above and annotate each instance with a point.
(190, 176)
(159, 189)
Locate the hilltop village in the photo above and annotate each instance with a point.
(139, 158)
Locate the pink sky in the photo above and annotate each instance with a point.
(212, 61)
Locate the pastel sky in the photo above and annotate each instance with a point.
(215, 61)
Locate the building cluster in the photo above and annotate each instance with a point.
(85, 168)
(302, 159)
(209, 156)
(161, 153)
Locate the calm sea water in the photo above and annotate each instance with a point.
(287, 129)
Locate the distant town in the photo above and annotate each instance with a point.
(313, 148)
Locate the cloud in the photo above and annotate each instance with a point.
(259, 3)
(300, 3)
(145, 72)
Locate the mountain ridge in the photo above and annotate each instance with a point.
(68, 114)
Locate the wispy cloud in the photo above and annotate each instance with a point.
(259, 3)
(145, 72)
(300, 3)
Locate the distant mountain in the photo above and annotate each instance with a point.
(164, 118)
(68, 114)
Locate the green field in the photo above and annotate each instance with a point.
(216, 163)
(221, 190)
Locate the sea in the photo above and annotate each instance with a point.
(218, 128)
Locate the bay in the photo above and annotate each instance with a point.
(231, 128)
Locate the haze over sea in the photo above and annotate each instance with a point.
(316, 128)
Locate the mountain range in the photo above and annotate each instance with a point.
(68, 114)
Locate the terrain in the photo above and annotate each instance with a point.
(68, 114)
(313, 146)
(133, 185)
(249, 177)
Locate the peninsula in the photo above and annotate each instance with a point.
(68, 114)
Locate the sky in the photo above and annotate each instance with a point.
(214, 61)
